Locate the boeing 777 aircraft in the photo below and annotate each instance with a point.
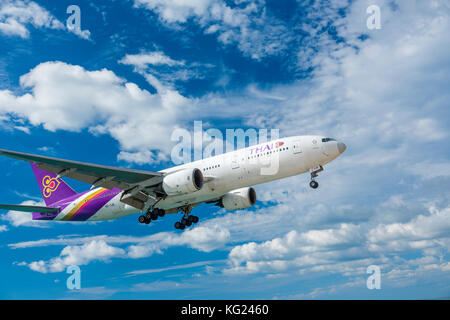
(224, 180)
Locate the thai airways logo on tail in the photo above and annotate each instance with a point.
(53, 189)
(50, 185)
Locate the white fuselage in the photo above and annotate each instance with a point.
(246, 167)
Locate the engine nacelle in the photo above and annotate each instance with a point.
(239, 199)
(182, 182)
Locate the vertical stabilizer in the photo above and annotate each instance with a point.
(52, 189)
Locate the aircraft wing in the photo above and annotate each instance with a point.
(16, 207)
(97, 175)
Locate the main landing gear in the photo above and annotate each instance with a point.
(187, 219)
(151, 215)
(314, 173)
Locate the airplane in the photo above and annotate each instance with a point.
(225, 180)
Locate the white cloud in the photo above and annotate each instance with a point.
(3, 228)
(77, 255)
(247, 25)
(200, 238)
(422, 231)
(19, 218)
(176, 11)
(159, 286)
(176, 267)
(149, 58)
(205, 239)
(85, 34)
(430, 169)
(159, 69)
(333, 249)
(16, 14)
(139, 157)
(81, 251)
(69, 97)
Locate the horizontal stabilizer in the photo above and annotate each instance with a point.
(17, 207)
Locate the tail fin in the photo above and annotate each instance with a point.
(52, 189)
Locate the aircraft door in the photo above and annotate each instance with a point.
(235, 161)
(238, 166)
(297, 147)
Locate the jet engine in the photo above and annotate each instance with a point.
(239, 199)
(182, 182)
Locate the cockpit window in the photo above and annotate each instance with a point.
(328, 139)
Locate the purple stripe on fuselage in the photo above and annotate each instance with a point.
(94, 205)
(62, 203)
(91, 208)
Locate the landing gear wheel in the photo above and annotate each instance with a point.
(186, 222)
(314, 184)
(194, 219)
(179, 225)
(159, 212)
(142, 219)
(154, 216)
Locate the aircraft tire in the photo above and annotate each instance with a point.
(160, 212)
(142, 219)
(314, 184)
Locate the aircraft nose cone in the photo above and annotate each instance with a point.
(341, 147)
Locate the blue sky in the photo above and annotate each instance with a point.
(113, 93)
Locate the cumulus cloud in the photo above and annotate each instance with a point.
(68, 97)
(77, 255)
(17, 15)
(246, 24)
(200, 238)
(81, 251)
(335, 248)
(420, 232)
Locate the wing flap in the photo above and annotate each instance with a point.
(17, 207)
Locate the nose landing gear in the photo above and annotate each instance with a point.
(314, 184)
(314, 173)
